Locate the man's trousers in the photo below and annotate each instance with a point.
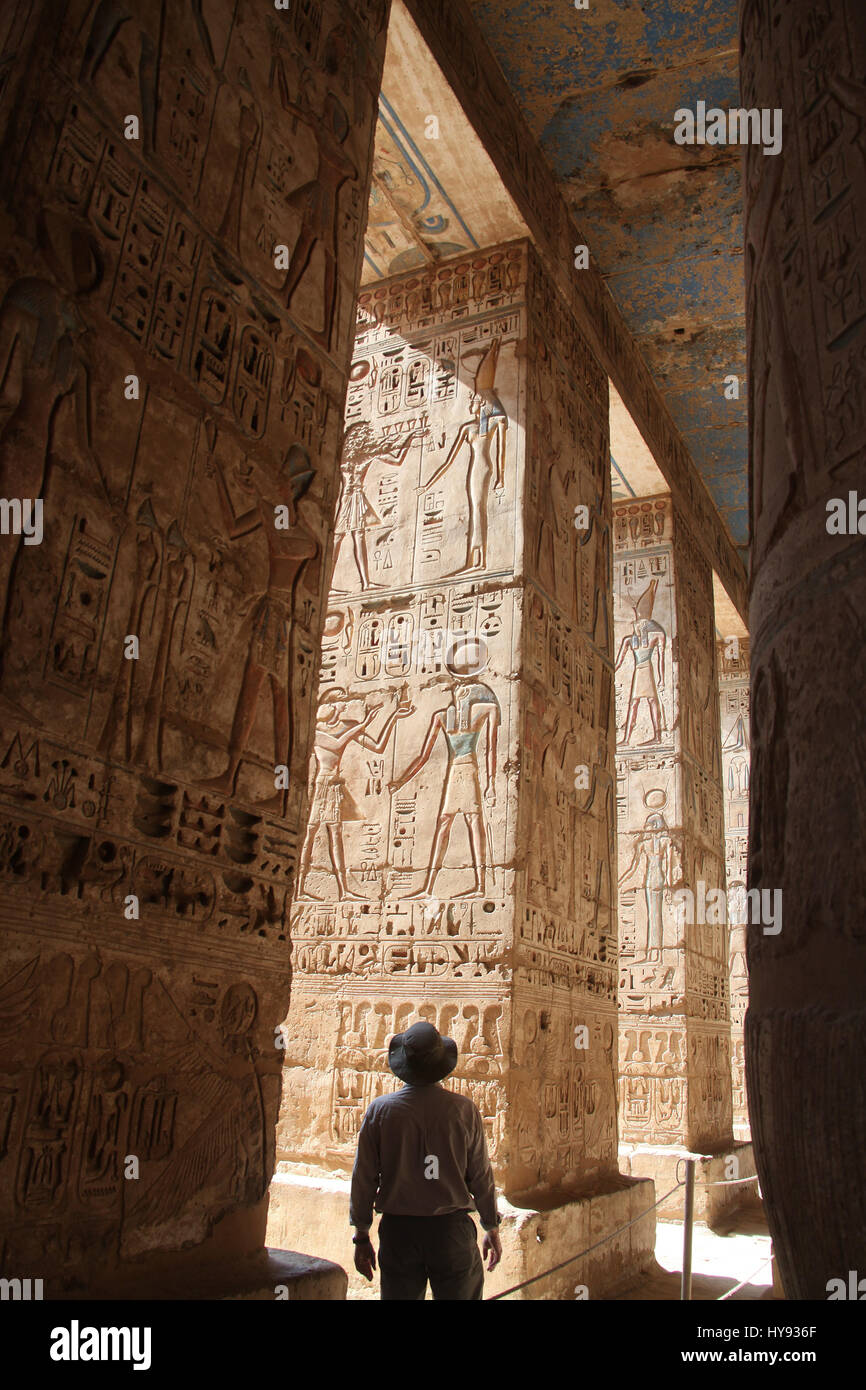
(443, 1249)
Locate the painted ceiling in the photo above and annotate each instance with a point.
(435, 192)
(599, 88)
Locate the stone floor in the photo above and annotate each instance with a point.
(736, 1252)
(739, 1251)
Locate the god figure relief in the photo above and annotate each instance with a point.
(485, 435)
(474, 708)
(648, 639)
(651, 867)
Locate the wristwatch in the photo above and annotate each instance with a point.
(361, 1240)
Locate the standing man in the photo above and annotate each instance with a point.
(422, 1159)
(317, 202)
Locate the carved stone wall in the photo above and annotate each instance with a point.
(564, 999)
(675, 1084)
(805, 262)
(452, 868)
(733, 666)
(172, 389)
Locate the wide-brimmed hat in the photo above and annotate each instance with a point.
(421, 1056)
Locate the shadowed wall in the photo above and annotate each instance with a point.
(171, 387)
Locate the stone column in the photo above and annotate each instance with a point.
(733, 667)
(184, 192)
(675, 1078)
(458, 860)
(805, 260)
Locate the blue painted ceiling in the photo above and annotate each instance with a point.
(599, 88)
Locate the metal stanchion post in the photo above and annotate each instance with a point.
(688, 1227)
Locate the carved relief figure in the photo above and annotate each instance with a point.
(780, 373)
(42, 362)
(331, 802)
(362, 447)
(550, 844)
(647, 639)
(652, 850)
(553, 511)
(270, 621)
(601, 804)
(599, 530)
(474, 708)
(316, 203)
(164, 568)
(485, 435)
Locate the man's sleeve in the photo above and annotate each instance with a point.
(365, 1175)
(479, 1175)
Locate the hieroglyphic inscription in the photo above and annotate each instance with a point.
(173, 392)
(733, 666)
(452, 868)
(674, 1085)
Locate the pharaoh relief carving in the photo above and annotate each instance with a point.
(646, 646)
(362, 447)
(568, 518)
(331, 803)
(646, 626)
(269, 613)
(650, 872)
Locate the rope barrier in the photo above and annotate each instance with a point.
(719, 1182)
(744, 1282)
(553, 1268)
